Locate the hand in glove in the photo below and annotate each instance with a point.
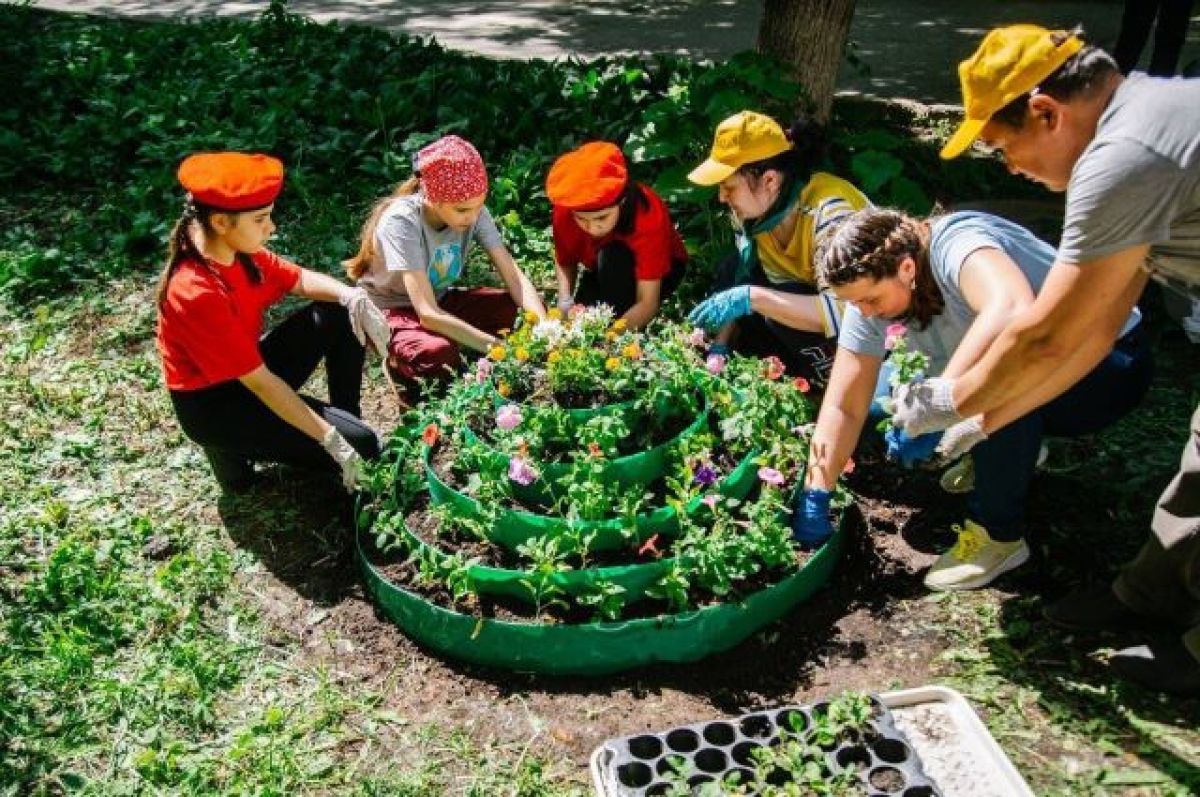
(345, 456)
(926, 406)
(908, 451)
(718, 310)
(811, 525)
(718, 349)
(366, 320)
(961, 438)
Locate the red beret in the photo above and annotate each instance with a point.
(232, 181)
(589, 178)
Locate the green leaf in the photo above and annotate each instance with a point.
(873, 169)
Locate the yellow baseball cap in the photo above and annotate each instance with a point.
(1010, 62)
(745, 137)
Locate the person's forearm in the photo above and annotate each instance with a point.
(566, 275)
(832, 444)
(790, 309)
(640, 314)
(982, 333)
(319, 287)
(285, 402)
(457, 330)
(526, 295)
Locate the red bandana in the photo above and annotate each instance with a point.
(451, 171)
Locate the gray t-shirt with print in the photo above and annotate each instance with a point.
(1138, 181)
(404, 241)
(953, 238)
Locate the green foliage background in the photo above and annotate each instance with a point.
(98, 113)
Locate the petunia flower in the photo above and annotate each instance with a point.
(508, 417)
(521, 472)
(650, 546)
(775, 368)
(709, 501)
(483, 369)
(697, 338)
(705, 476)
(801, 384)
(431, 434)
(715, 364)
(771, 476)
(894, 334)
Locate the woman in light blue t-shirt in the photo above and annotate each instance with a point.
(953, 283)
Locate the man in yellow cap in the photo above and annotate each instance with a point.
(1127, 153)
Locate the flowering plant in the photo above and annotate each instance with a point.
(908, 365)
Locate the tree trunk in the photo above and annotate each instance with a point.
(810, 35)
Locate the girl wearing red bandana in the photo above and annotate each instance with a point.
(414, 252)
(234, 388)
(619, 231)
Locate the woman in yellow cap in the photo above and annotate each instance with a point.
(617, 230)
(233, 388)
(767, 301)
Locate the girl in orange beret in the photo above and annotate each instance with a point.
(414, 252)
(233, 388)
(617, 230)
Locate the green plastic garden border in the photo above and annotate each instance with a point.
(629, 471)
(514, 527)
(596, 648)
(487, 580)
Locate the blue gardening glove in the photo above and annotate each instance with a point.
(908, 451)
(719, 309)
(811, 525)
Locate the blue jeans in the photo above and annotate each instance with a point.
(1004, 463)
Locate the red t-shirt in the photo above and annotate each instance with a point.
(208, 331)
(654, 241)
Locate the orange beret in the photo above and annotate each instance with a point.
(232, 181)
(589, 178)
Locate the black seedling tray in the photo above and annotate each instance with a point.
(707, 752)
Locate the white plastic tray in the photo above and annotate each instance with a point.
(972, 761)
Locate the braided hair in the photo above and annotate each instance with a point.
(872, 243)
(182, 246)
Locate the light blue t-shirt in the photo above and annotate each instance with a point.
(953, 238)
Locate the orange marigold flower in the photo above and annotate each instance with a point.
(431, 434)
(522, 354)
(612, 363)
(632, 351)
(496, 353)
(503, 389)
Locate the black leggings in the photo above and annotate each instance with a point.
(234, 426)
(614, 280)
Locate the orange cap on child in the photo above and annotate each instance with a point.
(233, 181)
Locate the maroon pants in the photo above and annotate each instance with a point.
(416, 353)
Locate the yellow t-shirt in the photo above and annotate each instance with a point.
(824, 201)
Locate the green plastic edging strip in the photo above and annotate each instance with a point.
(514, 527)
(629, 471)
(597, 648)
(634, 578)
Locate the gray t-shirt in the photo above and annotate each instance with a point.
(405, 242)
(1138, 181)
(953, 238)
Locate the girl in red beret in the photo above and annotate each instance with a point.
(619, 231)
(233, 388)
(413, 254)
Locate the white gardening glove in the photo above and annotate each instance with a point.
(923, 407)
(961, 438)
(366, 320)
(565, 303)
(345, 456)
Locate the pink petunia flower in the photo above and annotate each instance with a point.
(521, 472)
(715, 364)
(508, 417)
(771, 476)
(775, 368)
(709, 501)
(894, 334)
(697, 338)
(483, 369)
(801, 384)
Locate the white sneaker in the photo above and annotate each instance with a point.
(960, 477)
(975, 560)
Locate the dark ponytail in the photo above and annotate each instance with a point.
(182, 246)
(810, 143)
(632, 202)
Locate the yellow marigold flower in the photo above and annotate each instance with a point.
(610, 334)
(503, 389)
(632, 351)
(553, 356)
(522, 354)
(612, 363)
(531, 317)
(496, 353)
(554, 314)
(619, 325)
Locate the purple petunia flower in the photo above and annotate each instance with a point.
(705, 476)
(508, 417)
(771, 476)
(521, 472)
